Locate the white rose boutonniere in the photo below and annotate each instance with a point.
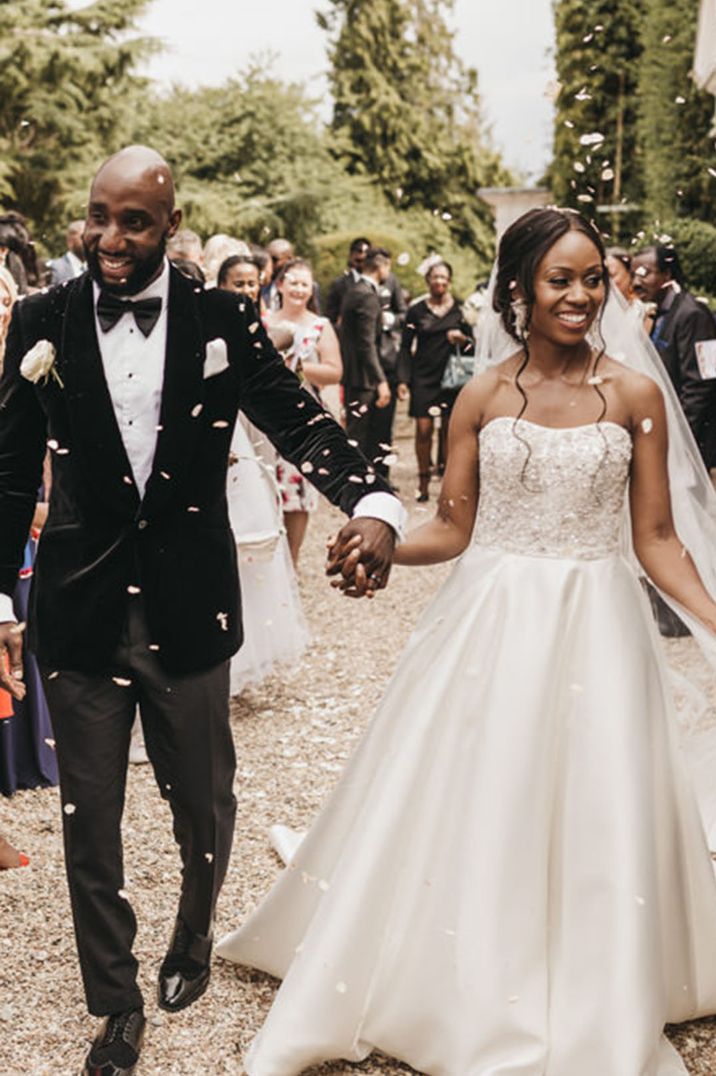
(39, 363)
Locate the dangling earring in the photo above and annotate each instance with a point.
(594, 336)
(520, 317)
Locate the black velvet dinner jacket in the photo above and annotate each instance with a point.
(102, 542)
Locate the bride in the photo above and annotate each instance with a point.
(512, 877)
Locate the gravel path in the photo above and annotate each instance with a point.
(293, 736)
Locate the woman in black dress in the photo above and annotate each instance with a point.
(434, 329)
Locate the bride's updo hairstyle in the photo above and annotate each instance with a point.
(522, 248)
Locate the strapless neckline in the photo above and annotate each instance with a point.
(557, 429)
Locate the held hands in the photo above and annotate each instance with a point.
(403, 391)
(11, 673)
(360, 557)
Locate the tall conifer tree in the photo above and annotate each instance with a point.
(407, 110)
(596, 157)
(674, 116)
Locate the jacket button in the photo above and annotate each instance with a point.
(142, 524)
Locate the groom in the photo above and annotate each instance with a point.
(132, 376)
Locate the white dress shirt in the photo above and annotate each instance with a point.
(134, 370)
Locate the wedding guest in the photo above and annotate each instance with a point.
(27, 745)
(11, 260)
(264, 261)
(621, 274)
(217, 249)
(681, 323)
(351, 275)
(240, 273)
(186, 245)
(8, 295)
(366, 388)
(315, 356)
(393, 309)
(27, 757)
(281, 251)
(10, 857)
(72, 262)
(14, 226)
(276, 629)
(620, 271)
(434, 328)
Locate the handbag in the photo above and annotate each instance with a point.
(459, 369)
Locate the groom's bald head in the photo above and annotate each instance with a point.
(130, 216)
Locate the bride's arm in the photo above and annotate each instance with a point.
(447, 535)
(657, 545)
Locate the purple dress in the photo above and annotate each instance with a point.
(27, 759)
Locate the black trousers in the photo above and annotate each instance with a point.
(369, 426)
(189, 743)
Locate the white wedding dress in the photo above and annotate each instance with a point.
(275, 629)
(511, 878)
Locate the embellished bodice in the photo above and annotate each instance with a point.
(552, 492)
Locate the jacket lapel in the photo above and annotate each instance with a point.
(94, 426)
(182, 394)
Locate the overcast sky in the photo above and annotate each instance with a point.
(508, 41)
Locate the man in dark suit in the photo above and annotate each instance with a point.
(393, 307)
(132, 375)
(72, 262)
(681, 323)
(365, 382)
(356, 263)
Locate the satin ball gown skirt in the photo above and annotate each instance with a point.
(511, 877)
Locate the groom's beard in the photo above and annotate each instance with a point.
(142, 272)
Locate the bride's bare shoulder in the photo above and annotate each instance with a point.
(637, 392)
(628, 380)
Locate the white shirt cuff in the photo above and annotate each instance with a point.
(383, 506)
(7, 611)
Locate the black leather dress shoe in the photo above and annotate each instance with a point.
(115, 1051)
(184, 974)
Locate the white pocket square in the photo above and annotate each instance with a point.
(217, 359)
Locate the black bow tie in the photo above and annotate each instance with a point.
(110, 309)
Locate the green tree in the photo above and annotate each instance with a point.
(407, 110)
(596, 159)
(249, 156)
(674, 116)
(67, 90)
(252, 158)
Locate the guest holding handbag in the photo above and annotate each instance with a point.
(435, 328)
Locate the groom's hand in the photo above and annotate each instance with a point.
(360, 556)
(11, 674)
